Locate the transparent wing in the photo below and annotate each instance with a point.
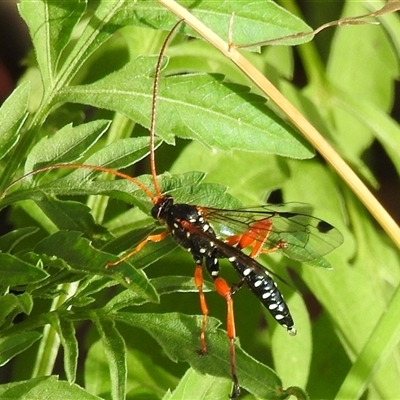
(307, 238)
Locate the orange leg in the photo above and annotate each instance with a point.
(255, 237)
(224, 290)
(150, 238)
(198, 279)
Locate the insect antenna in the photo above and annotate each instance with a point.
(82, 166)
(154, 112)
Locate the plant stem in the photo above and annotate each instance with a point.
(50, 342)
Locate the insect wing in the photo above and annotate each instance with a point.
(307, 238)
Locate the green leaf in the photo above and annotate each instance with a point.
(375, 83)
(148, 255)
(372, 86)
(99, 29)
(82, 257)
(35, 389)
(127, 298)
(144, 376)
(253, 22)
(194, 385)
(10, 346)
(185, 188)
(296, 350)
(115, 350)
(50, 23)
(377, 351)
(69, 215)
(326, 347)
(198, 106)
(182, 284)
(11, 239)
(165, 285)
(66, 145)
(15, 271)
(87, 288)
(380, 329)
(255, 171)
(178, 335)
(67, 333)
(119, 154)
(188, 188)
(382, 126)
(11, 304)
(116, 155)
(13, 113)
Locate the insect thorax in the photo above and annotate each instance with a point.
(184, 221)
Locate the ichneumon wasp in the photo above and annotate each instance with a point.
(211, 234)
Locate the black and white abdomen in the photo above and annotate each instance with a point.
(264, 287)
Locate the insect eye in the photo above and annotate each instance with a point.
(161, 207)
(155, 211)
